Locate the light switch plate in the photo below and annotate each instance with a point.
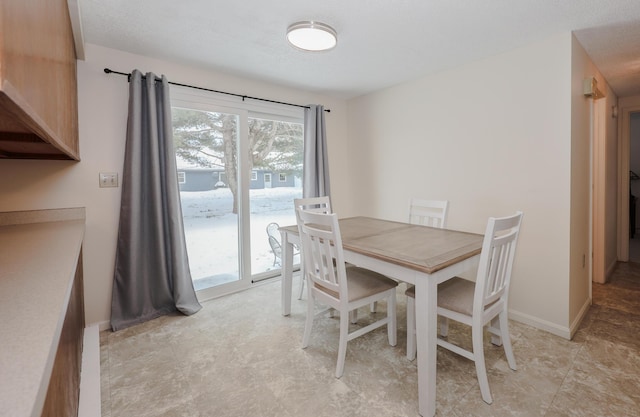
(108, 179)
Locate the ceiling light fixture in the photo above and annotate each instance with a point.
(312, 36)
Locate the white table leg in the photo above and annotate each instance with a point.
(426, 333)
(287, 273)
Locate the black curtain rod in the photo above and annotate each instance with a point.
(110, 71)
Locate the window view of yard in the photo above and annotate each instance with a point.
(208, 153)
(211, 231)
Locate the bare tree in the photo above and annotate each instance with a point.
(210, 139)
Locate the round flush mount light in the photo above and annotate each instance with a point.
(312, 36)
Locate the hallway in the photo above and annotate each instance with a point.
(622, 292)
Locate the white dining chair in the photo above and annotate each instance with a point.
(477, 304)
(341, 288)
(428, 212)
(432, 213)
(315, 204)
(321, 205)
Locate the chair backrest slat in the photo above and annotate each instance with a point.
(496, 260)
(314, 204)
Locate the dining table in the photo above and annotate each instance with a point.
(418, 255)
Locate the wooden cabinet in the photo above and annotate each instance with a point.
(63, 394)
(42, 310)
(38, 87)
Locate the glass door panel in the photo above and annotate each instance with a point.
(276, 159)
(206, 144)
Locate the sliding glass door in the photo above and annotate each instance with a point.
(206, 144)
(239, 171)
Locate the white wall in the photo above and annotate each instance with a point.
(605, 176)
(102, 102)
(492, 137)
(581, 166)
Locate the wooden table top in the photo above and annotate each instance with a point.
(422, 248)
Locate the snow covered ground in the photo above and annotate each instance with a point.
(211, 229)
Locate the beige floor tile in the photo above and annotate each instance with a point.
(576, 399)
(239, 357)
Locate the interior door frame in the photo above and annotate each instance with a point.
(598, 181)
(624, 154)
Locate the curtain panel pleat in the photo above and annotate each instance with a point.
(152, 276)
(315, 173)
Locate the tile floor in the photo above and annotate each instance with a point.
(239, 357)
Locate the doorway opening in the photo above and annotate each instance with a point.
(627, 168)
(634, 186)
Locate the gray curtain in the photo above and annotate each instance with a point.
(152, 276)
(315, 175)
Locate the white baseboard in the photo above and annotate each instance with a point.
(103, 325)
(538, 323)
(90, 402)
(583, 312)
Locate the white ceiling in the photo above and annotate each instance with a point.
(380, 42)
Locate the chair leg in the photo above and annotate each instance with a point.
(392, 328)
(444, 326)
(301, 284)
(496, 339)
(411, 329)
(374, 306)
(309, 322)
(506, 340)
(353, 316)
(481, 369)
(342, 346)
